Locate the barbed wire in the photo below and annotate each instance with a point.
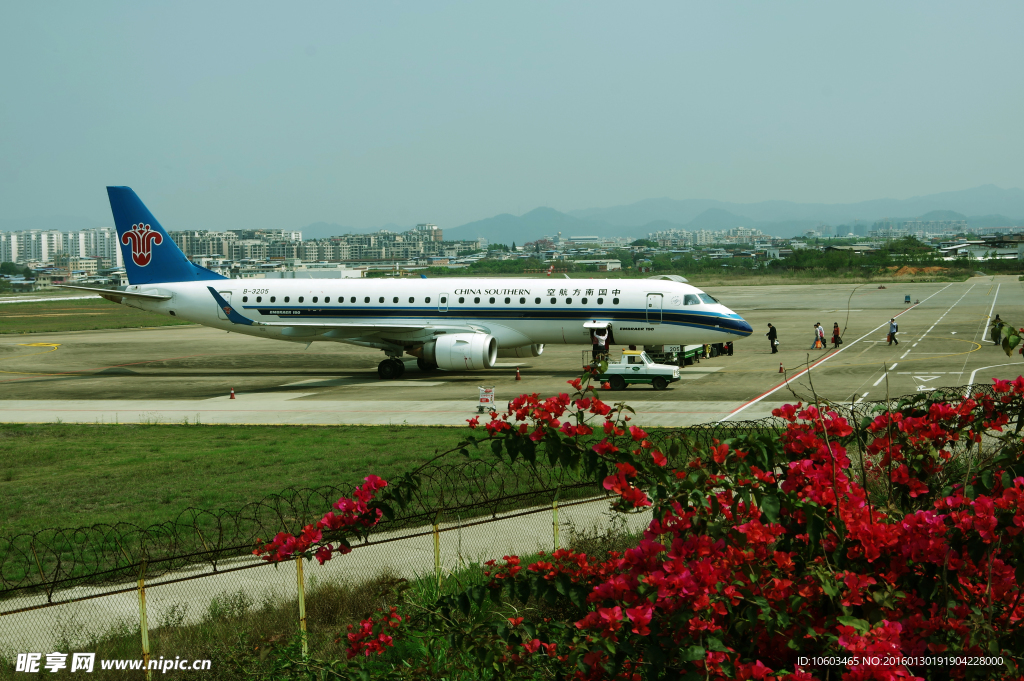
(470, 488)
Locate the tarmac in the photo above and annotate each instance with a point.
(185, 373)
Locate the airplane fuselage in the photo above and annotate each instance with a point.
(517, 312)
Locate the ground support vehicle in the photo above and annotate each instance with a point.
(635, 366)
(679, 355)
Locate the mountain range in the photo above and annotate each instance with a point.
(982, 207)
(985, 206)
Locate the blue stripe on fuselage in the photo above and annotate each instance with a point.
(733, 324)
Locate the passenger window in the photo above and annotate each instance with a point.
(366, 299)
(583, 300)
(461, 299)
(568, 301)
(536, 301)
(245, 299)
(522, 301)
(300, 298)
(554, 300)
(395, 299)
(427, 299)
(411, 299)
(508, 300)
(600, 301)
(476, 300)
(273, 298)
(259, 299)
(381, 299)
(327, 299)
(491, 301)
(286, 299)
(690, 299)
(352, 299)
(615, 301)
(315, 298)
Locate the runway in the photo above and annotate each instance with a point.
(185, 373)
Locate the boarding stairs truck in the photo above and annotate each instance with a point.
(635, 366)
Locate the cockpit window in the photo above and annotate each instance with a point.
(691, 299)
(708, 300)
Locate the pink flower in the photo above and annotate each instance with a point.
(640, 616)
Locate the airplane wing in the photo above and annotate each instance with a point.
(340, 329)
(110, 293)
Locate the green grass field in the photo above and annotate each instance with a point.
(75, 315)
(69, 475)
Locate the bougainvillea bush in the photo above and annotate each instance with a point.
(886, 549)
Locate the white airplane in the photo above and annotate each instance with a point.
(456, 323)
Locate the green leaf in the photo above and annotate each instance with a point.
(860, 625)
(815, 524)
(986, 478)
(693, 653)
(717, 645)
(464, 604)
(770, 506)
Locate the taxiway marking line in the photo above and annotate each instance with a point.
(780, 386)
(937, 321)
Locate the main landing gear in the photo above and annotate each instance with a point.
(391, 368)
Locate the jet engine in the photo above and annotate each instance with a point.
(534, 350)
(465, 351)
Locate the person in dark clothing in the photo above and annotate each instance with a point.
(773, 337)
(893, 328)
(997, 330)
(836, 340)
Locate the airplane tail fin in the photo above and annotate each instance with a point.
(150, 255)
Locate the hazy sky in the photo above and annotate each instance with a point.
(226, 115)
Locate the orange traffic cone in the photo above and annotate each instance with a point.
(781, 370)
(518, 377)
(232, 396)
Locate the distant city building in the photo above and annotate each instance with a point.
(42, 246)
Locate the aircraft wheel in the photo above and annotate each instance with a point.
(388, 369)
(424, 365)
(659, 383)
(401, 368)
(617, 383)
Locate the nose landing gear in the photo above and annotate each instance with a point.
(391, 368)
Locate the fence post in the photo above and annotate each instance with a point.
(437, 554)
(143, 622)
(554, 522)
(302, 605)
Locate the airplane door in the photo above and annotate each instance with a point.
(226, 295)
(442, 302)
(654, 301)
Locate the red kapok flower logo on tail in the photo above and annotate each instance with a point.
(142, 239)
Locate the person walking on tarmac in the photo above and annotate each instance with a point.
(836, 340)
(893, 328)
(997, 330)
(819, 336)
(773, 338)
